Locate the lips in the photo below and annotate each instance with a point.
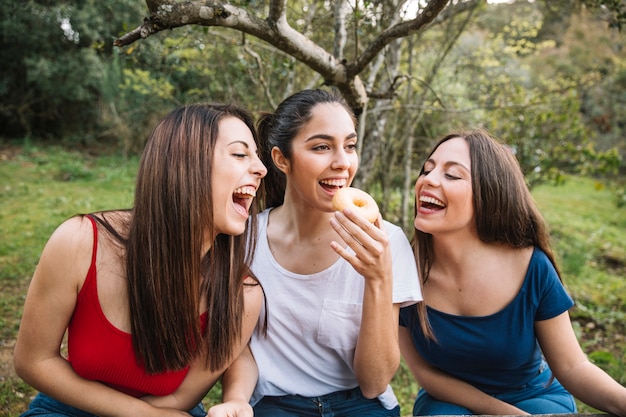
(431, 203)
(334, 183)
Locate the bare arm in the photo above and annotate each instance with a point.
(377, 355)
(570, 365)
(446, 388)
(238, 384)
(49, 305)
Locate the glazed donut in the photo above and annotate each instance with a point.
(357, 200)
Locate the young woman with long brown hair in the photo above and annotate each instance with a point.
(158, 301)
(503, 341)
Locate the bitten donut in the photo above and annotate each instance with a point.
(357, 200)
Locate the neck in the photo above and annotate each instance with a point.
(456, 254)
(303, 223)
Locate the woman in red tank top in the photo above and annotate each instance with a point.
(157, 300)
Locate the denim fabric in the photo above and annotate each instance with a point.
(539, 396)
(350, 403)
(44, 405)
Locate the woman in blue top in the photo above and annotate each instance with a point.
(502, 341)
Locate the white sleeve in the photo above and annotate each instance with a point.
(406, 286)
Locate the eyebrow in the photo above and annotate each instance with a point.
(324, 136)
(448, 164)
(244, 143)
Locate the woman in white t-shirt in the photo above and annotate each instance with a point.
(333, 281)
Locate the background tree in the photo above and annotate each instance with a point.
(54, 57)
(414, 70)
(272, 25)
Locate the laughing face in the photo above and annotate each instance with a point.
(237, 173)
(443, 191)
(324, 157)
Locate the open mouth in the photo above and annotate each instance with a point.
(333, 185)
(243, 197)
(431, 203)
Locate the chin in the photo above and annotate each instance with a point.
(237, 230)
(233, 228)
(420, 227)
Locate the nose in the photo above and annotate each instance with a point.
(341, 160)
(258, 168)
(431, 179)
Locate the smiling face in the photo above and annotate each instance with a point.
(237, 173)
(323, 157)
(443, 191)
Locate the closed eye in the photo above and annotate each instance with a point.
(322, 147)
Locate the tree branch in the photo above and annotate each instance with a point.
(170, 15)
(215, 13)
(426, 16)
(276, 31)
(277, 10)
(153, 5)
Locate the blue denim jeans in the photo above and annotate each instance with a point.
(350, 403)
(44, 405)
(539, 396)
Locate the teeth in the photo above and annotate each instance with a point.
(334, 183)
(431, 200)
(251, 191)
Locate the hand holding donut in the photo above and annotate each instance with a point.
(356, 200)
(371, 257)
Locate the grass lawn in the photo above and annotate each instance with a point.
(41, 187)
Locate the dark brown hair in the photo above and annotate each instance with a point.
(278, 129)
(167, 274)
(504, 208)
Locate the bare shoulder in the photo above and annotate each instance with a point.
(523, 256)
(73, 235)
(510, 256)
(67, 254)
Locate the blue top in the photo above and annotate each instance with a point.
(499, 352)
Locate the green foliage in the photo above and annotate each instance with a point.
(54, 58)
(613, 11)
(141, 100)
(507, 77)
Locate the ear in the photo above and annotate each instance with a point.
(280, 161)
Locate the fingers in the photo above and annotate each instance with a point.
(369, 242)
(358, 226)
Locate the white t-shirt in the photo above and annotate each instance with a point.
(314, 320)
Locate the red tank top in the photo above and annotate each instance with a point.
(99, 351)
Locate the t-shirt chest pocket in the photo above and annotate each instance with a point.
(339, 324)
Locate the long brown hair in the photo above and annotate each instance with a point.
(504, 208)
(167, 274)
